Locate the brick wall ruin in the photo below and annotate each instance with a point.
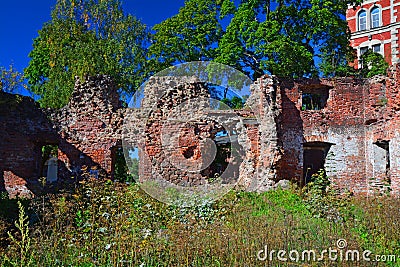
(89, 126)
(347, 126)
(24, 128)
(86, 132)
(176, 131)
(353, 134)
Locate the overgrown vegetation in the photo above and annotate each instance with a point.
(110, 224)
(122, 172)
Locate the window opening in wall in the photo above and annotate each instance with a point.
(311, 102)
(225, 165)
(375, 17)
(382, 157)
(120, 170)
(314, 155)
(363, 50)
(362, 21)
(223, 154)
(376, 48)
(314, 97)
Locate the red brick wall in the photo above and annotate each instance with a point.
(358, 113)
(24, 129)
(89, 131)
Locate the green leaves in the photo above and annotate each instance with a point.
(235, 102)
(190, 35)
(11, 80)
(286, 38)
(86, 38)
(373, 64)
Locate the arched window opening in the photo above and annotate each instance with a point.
(375, 17)
(362, 20)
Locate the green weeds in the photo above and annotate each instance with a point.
(110, 224)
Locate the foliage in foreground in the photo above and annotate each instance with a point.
(110, 224)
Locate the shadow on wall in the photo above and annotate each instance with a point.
(2, 185)
(23, 126)
(27, 128)
(290, 135)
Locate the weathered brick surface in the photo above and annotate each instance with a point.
(177, 129)
(277, 136)
(90, 125)
(358, 113)
(24, 128)
(86, 131)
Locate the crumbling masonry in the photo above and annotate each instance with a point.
(349, 127)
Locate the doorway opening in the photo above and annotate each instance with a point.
(382, 160)
(314, 156)
(125, 169)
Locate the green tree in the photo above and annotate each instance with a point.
(234, 103)
(284, 37)
(281, 37)
(86, 37)
(373, 64)
(190, 35)
(122, 172)
(335, 64)
(11, 80)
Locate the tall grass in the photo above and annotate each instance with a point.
(111, 224)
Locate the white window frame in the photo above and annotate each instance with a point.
(365, 17)
(378, 14)
(375, 45)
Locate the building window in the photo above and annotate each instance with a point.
(311, 102)
(376, 48)
(382, 161)
(375, 17)
(314, 98)
(362, 20)
(314, 158)
(363, 50)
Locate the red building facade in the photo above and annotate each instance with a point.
(375, 25)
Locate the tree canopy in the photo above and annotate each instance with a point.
(86, 37)
(288, 38)
(190, 35)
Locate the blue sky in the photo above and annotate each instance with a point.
(22, 19)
